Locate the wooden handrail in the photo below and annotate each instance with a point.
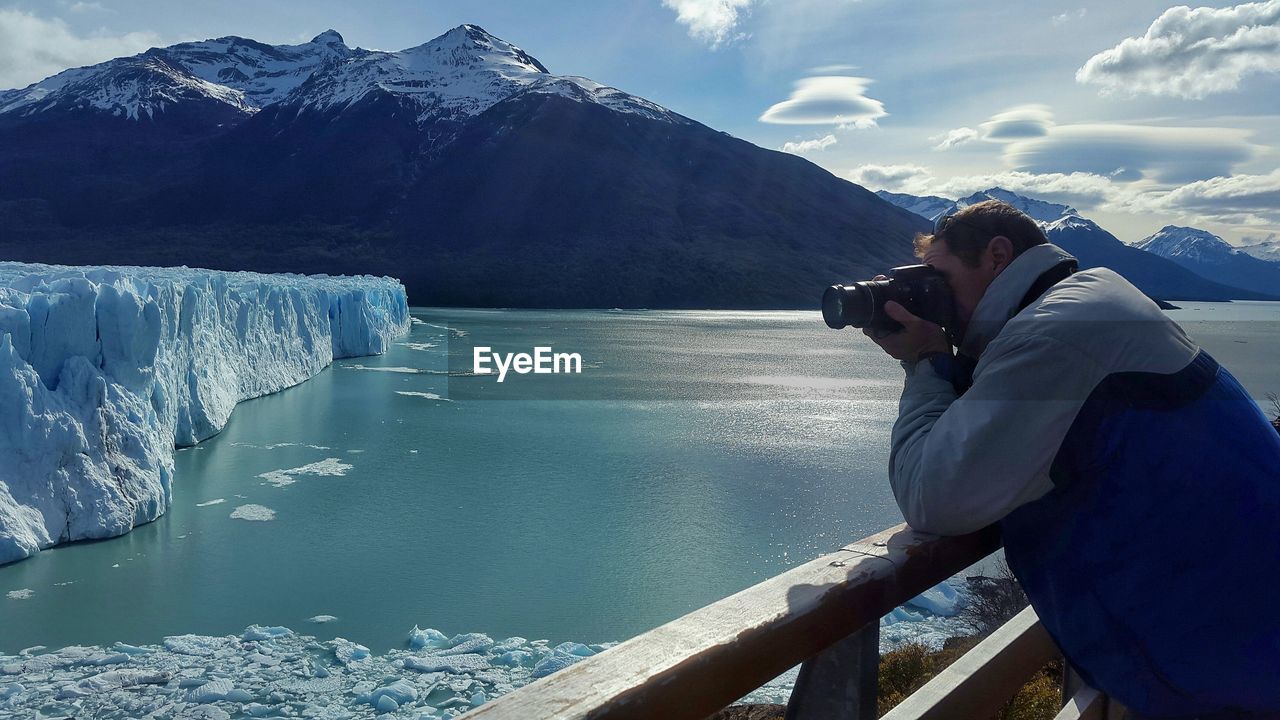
(701, 662)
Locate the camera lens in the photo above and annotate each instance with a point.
(848, 305)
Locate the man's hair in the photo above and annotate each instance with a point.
(968, 231)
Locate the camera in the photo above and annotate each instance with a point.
(920, 289)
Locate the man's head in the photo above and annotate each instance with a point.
(971, 247)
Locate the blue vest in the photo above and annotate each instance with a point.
(1155, 561)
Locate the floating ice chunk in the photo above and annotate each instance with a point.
(260, 513)
(468, 643)
(348, 652)
(201, 645)
(900, 614)
(941, 600)
(23, 594)
(427, 395)
(258, 632)
(405, 370)
(556, 661)
(387, 704)
(212, 691)
(207, 503)
(478, 699)
(427, 638)
(399, 691)
(574, 648)
(130, 649)
(320, 619)
(205, 712)
(10, 690)
(327, 467)
(456, 664)
(422, 346)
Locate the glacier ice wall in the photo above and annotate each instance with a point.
(104, 370)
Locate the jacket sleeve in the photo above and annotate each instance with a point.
(958, 464)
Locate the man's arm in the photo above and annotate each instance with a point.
(959, 464)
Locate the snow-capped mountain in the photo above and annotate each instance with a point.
(1093, 246)
(1207, 254)
(459, 74)
(456, 75)
(1268, 250)
(462, 166)
(1039, 210)
(241, 74)
(929, 207)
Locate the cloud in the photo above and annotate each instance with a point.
(1241, 199)
(1132, 152)
(32, 48)
(805, 146)
(711, 21)
(1023, 121)
(84, 7)
(889, 177)
(1191, 53)
(1068, 16)
(1080, 189)
(953, 138)
(827, 100)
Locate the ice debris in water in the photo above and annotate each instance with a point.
(105, 370)
(320, 619)
(260, 513)
(23, 594)
(207, 503)
(272, 672)
(327, 467)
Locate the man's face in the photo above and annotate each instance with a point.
(967, 283)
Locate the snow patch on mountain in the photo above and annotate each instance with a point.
(104, 370)
(136, 87)
(929, 207)
(1268, 250)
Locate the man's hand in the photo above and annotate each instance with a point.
(917, 337)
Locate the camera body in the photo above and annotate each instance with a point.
(920, 289)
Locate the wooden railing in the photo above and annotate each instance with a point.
(824, 614)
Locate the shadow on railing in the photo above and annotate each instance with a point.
(825, 614)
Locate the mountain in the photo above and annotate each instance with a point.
(1212, 257)
(1093, 246)
(1268, 250)
(1156, 276)
(932, 207)
(462, 166)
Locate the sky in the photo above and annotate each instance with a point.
(1139, 114)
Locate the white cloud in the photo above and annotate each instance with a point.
(711, 21)
(32, 48)
(1132, 152)
(1237, 199)
(805, 146)
(84, 7)
(827, 100)
(1023, 121)
(889, 177)
(953, 138)
(1080, 189)
(1192, 53)
(1068, 16)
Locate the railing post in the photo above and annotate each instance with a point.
(840, 682)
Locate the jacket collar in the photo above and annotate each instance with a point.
(1003, 298)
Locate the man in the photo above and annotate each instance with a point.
(1136, 484)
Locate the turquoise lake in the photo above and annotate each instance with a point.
(697, 454)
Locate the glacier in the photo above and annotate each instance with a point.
(105, 370)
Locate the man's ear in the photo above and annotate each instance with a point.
(999, 253)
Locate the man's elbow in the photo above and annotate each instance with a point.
(933, 512)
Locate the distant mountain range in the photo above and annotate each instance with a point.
(1156, 275)
(462, 166)
(1210, 256)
